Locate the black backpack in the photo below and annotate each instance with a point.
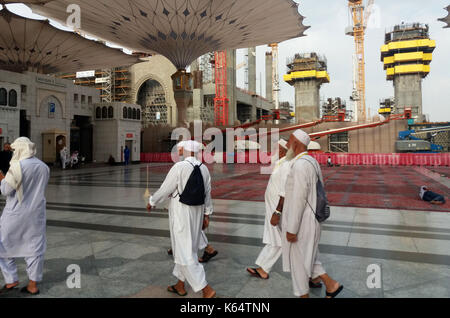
(194, 191)
(322, 211)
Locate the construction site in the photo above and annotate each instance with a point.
(133, 72)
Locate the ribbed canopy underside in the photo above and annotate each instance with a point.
(35, 45)
(183, 30)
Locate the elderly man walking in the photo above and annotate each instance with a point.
(274, 198)
(191, 182)
(22, 225)
(301, 230)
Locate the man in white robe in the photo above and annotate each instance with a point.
(23, 222)
(186, 222)
(209, 251)
(301, 230)
(274, 198)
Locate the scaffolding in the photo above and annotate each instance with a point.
(114, 83)
(152, 99)
(206, 65)
(306, 62)
(221, 99)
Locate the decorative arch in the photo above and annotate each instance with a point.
(44, 107)
(104, 112)
(125, 113)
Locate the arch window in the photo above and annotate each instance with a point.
(104, 112)
(13, 98)
(139, 114)
(125, 113)
(110, 112)
(134, 113)
(130, 113)
(3, 97)
(98, 113)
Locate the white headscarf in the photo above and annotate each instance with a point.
(23, 149)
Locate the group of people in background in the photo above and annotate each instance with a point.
(291, 231)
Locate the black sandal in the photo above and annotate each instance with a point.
(335, 293)
(314, 285)
(256, 273)
(25, 290)
(207, 256)
(5, 289)
(170, 251)
(172, 289)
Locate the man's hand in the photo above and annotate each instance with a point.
(205, 222)
(275, 219)
(292, 238)
(149, 207)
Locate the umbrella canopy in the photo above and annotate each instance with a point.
(447, 18)
(35, 45)
(183, 30)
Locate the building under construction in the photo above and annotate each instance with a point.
(406, 56)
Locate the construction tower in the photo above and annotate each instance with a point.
(307, 72)
(406, 56)
(221, 99)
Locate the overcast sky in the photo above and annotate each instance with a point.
(328, 20)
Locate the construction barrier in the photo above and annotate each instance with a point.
(343, 159)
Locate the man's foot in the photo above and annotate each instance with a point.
(258, 272)
(207, 256)
(208, 292)
(173, 289)
(336, 291)
(30, 291)
(315, 283)
(8, 287)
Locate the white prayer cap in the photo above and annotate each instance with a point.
(191, 146)
(303, 137)
(283, 143)
(181, 144)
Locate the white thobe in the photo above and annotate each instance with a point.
(185, 221)
(23, 225)
(301, 258)
(272, 234)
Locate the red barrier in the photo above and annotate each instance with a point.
(394, 159)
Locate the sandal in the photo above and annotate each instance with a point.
(207, 256)
(170, 251)
(5, 289)
(172, 289)
(335, 293)
(314, 285)
(255, 273)
(25, 290)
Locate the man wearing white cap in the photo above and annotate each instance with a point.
(301, 230)
(274, 198)
(186, 220)
(23, 222)
(209, 251)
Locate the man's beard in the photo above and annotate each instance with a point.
(290, 154)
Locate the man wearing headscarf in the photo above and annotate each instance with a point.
(186, 221)
(274, 198)
(300, 228)
(22, 224)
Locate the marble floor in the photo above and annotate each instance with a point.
(97, 221)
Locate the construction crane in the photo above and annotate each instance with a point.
(360, 17)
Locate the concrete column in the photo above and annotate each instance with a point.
(269, 69)
(252, 70)
(408, 93)
(231, 86)
(307, 100)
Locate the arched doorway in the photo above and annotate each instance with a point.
(152, 97)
